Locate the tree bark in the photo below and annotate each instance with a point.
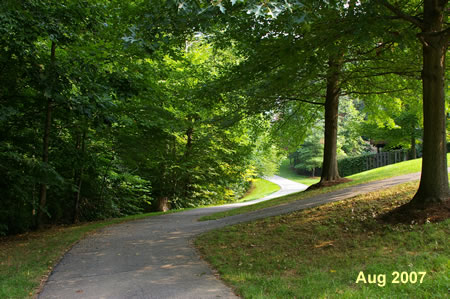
(79, 180)
(45, 141)
(105, 175)
(189, 134)
(330, 170)
(45, 146)
(162, 204)
(434, 177)
(187, 154)
(413, 152)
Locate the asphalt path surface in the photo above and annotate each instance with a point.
(154, 257)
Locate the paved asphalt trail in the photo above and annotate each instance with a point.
(154, 258)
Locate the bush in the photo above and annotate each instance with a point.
(351, 165)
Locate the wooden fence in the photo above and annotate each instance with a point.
(385, 158)
(356, 164)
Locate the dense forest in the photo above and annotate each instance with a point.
(111, 108)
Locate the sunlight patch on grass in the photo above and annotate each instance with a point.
(287, 173)
(260, 188)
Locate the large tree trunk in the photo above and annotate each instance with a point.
(434, 178)
(162, 204)
(45, 146)
(330, 171)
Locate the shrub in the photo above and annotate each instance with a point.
(351, 165)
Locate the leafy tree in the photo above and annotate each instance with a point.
(66, 69)
(34, 42)
(396, 121)
(310, 154)
(430, 18)
(304, 60)
(349, 141)
(200, 155)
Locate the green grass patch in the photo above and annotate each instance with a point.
(259, 189)
(286, 172)
(376, 174)
(26, 259)
(320, 252)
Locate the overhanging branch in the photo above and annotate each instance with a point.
(363, 75)
(398, 12)
(374, 92)
(301, 100)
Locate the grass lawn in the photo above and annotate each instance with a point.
(286, 172)
(260, 188)
(25, 259)
(380, 173)
(321, 252)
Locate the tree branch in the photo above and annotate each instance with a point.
(376, 48)
(398, 12)
(374, 92)
(443, 35)
(292, 115)
(409, 74)
(301, 100)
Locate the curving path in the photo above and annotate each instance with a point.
(148, 258)
(154, 258)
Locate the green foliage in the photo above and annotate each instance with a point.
(200, 157)
(133, 114)
(309, 156)
(395, 119)
(39, 68)
(349, 133)
(351, 165)
(266, 154)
